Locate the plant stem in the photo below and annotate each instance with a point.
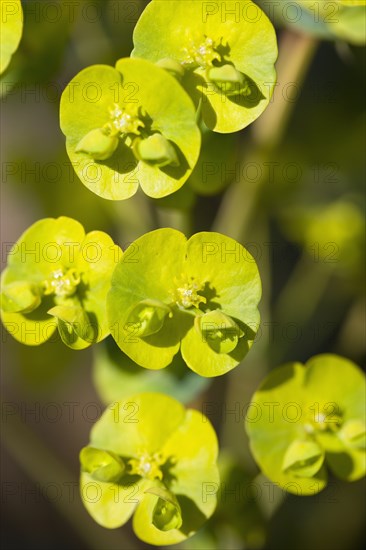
(296, 52)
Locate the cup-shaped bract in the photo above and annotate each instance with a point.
(166, 458)
(200, 296)
(304, 418)
(228, 52)
(11, 28)
(58, 277)
(128, 126)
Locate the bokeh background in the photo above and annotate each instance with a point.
(290, 188)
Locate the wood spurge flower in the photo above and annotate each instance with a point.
(58, 277)
(198, 296)
(151, 458)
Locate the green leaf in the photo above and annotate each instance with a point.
(102, 465)
(11, 28)
(201, 37)
(125, 105)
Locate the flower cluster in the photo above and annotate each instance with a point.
(58, 277)
(226, 59)
(198, 296)
(122, 134)
(306, 417)
(150, 457)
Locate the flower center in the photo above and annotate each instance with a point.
(202, 55)
(322, 421)
(147, 466)
(62, 284)
(186, 292)
(124, 120)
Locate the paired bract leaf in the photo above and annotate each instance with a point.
(128, 126)
(11, 28)
(57, 276)
(150, 457)
(200, 296)
(228, 55)
(306, 417)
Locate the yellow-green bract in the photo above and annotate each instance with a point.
(150, 457)
(228, 52)
(11, 27)
(304, 418)
(199, 296)
(58, 277)
(129, 126)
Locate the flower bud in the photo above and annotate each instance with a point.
(228, 79)
(147, 317)
(167, 514)
(303, 458)
(353, 433)
(102, 465)
(156, 150)
(98, 144)
(219, 331)
(20, 296)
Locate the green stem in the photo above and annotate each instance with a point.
(236, 211)
(239, 202)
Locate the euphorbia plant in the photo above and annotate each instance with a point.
(150, 457)
(305, 418)
(58, 277)
(11, 27)
(129, 126)
(223, 55)
(200, 296)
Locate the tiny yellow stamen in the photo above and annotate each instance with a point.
(202, 55)
(186, 292)
(125, 121)
(62, 284)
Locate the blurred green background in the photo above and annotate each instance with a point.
(290, 188)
